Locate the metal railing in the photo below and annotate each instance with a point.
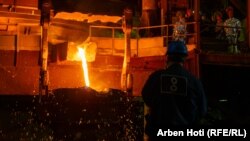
(163, 31)
(163, 28)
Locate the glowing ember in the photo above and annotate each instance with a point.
(81, 53)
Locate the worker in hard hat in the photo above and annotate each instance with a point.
(174, 96)
(232, 30)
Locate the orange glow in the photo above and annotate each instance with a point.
(82, 55)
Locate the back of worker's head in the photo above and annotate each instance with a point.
(176, 52)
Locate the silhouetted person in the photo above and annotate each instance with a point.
(180, 28)
(232, 30)
(174, 96)
(189, 16)
(219, 29)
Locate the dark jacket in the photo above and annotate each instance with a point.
(175, 97)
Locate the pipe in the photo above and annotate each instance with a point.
(127, 27)
(44, 22)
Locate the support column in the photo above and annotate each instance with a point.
(163, 14)
(148, 13)
(248, 23)
(45, 6)
(197, 35)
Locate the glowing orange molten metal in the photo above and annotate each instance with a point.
(81, 53)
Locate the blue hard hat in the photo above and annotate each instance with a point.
(177, 48)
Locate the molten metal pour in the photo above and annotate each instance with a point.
(81, 53)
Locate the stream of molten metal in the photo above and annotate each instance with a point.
(81, 53)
